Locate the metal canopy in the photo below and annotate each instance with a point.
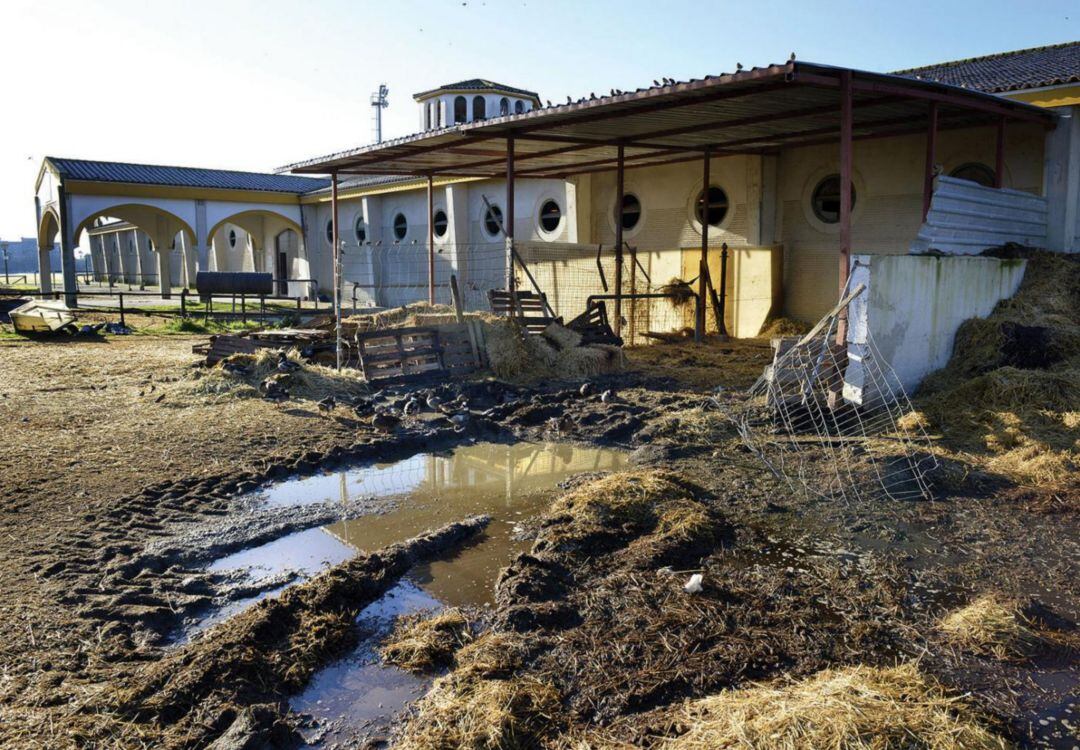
(749, 112)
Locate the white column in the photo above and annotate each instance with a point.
(44, 269)
(164, 272)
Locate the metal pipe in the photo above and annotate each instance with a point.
(846, 166)
(931, 158)
(699, 319)
(337, 267)
(620, 187)
(508, 227)
(430, 243)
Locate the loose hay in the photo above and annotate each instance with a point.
(1009, 398)
(308, 382)
(778, 327)
(424, 643)
(680, 292)
(514, 355)
(990, 626)
(848, 709)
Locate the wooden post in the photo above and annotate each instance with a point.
(846, 158)
(337, 267)
(703, 265)
(459, 315)
(508, 225)
(633, 293)
(999, 161)
(620, 186)
(931, 158)
(430, 241)
(722, 304)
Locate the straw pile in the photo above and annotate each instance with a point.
(990, 626)
(513, 355)
(307, 382)
(422, 643)
(848, 709)
(680, 292)
(413, 314)
(1010, 395)
(478, 706)
(778, 327)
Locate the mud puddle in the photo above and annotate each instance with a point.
(358, 696)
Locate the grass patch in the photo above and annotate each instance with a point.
(423, 643)
(849, 709)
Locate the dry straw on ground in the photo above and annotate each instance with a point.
(1009, 398)
(425, 642)
(514, 355)
(775, 327)
(307, 382)
(991, 626)
(858, 708)
(477, 707)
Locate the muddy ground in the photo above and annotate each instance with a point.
(107, 482)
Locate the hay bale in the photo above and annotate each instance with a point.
(991, 626)
(780, 327)
(514, 355)
(847, 709)
(422, 643)
(562, 337)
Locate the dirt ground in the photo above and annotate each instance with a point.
(106, 467)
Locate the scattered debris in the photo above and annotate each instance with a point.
(424, 642)
(990, 626)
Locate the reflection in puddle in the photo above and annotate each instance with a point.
(510, 483)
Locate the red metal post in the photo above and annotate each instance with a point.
(620, 187)
(931, 159)
(999, 162)
(703, 265)
(508, 224)
(336, 260)
(430, 240)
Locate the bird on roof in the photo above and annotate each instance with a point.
(548, 101)
(569, 100)
(792, 58)
(738, 66)
(655, 82)
(592, 95)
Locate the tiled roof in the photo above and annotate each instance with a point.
(1007, 71)
(479, 84)
(150, 174)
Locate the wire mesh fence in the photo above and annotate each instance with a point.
(569, 275)
(828, 418)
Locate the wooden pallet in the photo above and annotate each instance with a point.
(594, 327)
(226, 346)
(400, 354)
(528, 308)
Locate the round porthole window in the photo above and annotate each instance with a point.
(550, 216)
(975, 172)
(631, 211)
(493, 220)
(401, 226)
(360, 229)
(232, 238)
(439, 223)
(825, 200)
(711, 206)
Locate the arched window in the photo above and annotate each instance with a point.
(550, 216)
(438, 113)
(519, 107)
(479, 108)
(493, 220)
(232, 238)
(360, 228)
(825, 200)
(712, 204)
(427, 116)
(401, 226)
(439, 223)
(504, 107)
(975, 172)
(330, 232)
(631, 211)
(461, 109)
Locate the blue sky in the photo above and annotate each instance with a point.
(256, 84)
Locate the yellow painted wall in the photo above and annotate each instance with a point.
(1059, 96)
(754, 286)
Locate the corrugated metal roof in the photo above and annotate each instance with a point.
(151, 174)
(479, 84)
(1033, 68)
(750, 111)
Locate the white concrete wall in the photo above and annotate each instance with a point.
(966, 218)
(913, 306)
